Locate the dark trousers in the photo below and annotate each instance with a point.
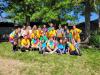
(15, 48)
(23, 49)
(74, 53)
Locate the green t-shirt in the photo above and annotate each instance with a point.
(43, 38)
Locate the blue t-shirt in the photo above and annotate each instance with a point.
(44, 45)
(33, 41)
(61, 46)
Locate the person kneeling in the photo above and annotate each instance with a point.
(25, 43)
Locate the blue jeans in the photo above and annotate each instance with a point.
(61, 51)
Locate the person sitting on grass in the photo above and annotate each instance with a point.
(25, 43)
(35, 42)
(51, 46)
(76, 44)
(61, 47)
(42, 47)
(13, 38)
(71, 48)
(43, 41)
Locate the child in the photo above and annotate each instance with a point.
(42, 47)
(61, 47)
(38, 33)
(71, 48)
(51, 27)
(32, 34)
(51, 46)
(43, 37)
(43, 40)
(44, 28)
(68, 35)
(35, 43)
(25, 43)
(13, 38)
(23, 31)
(52, 33)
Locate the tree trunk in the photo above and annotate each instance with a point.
(99, 21)
(27, 20)
(87, 20)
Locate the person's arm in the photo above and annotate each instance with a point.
(22, 43)
(28, 42)
(79, 31)
(68, 50)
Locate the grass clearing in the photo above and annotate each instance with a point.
(33, 63)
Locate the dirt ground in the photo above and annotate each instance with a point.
(11, 67)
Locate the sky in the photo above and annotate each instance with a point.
(94, 16)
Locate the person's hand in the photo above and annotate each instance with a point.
(15, 43)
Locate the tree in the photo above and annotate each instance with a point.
(40, 10)
(97, 9)
(88, 7)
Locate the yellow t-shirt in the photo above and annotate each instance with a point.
(76, 33)
(38, 33)
(71, 46)
(32, 35)
(52, 33)
(25, 42)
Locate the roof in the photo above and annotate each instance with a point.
(6, 24)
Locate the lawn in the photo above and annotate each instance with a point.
(33, 63)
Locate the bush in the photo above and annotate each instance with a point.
(95, 40)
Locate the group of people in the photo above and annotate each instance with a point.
(46, 40)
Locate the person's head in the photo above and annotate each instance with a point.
(74, 27)
(44, 26)
(44, 34)
(35, 27)
(29, 27)
(51, 38)
(65, 40)
(65, 27)
(60, 26)
(17, 30)
(25, 37)
(39, 28)
(54, 38)
(61, 41)
(51, 24)
(24, 27)
(35, 37)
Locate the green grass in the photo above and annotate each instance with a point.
(38, 64)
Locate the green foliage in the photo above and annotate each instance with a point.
(95, 40)
(46, 10)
